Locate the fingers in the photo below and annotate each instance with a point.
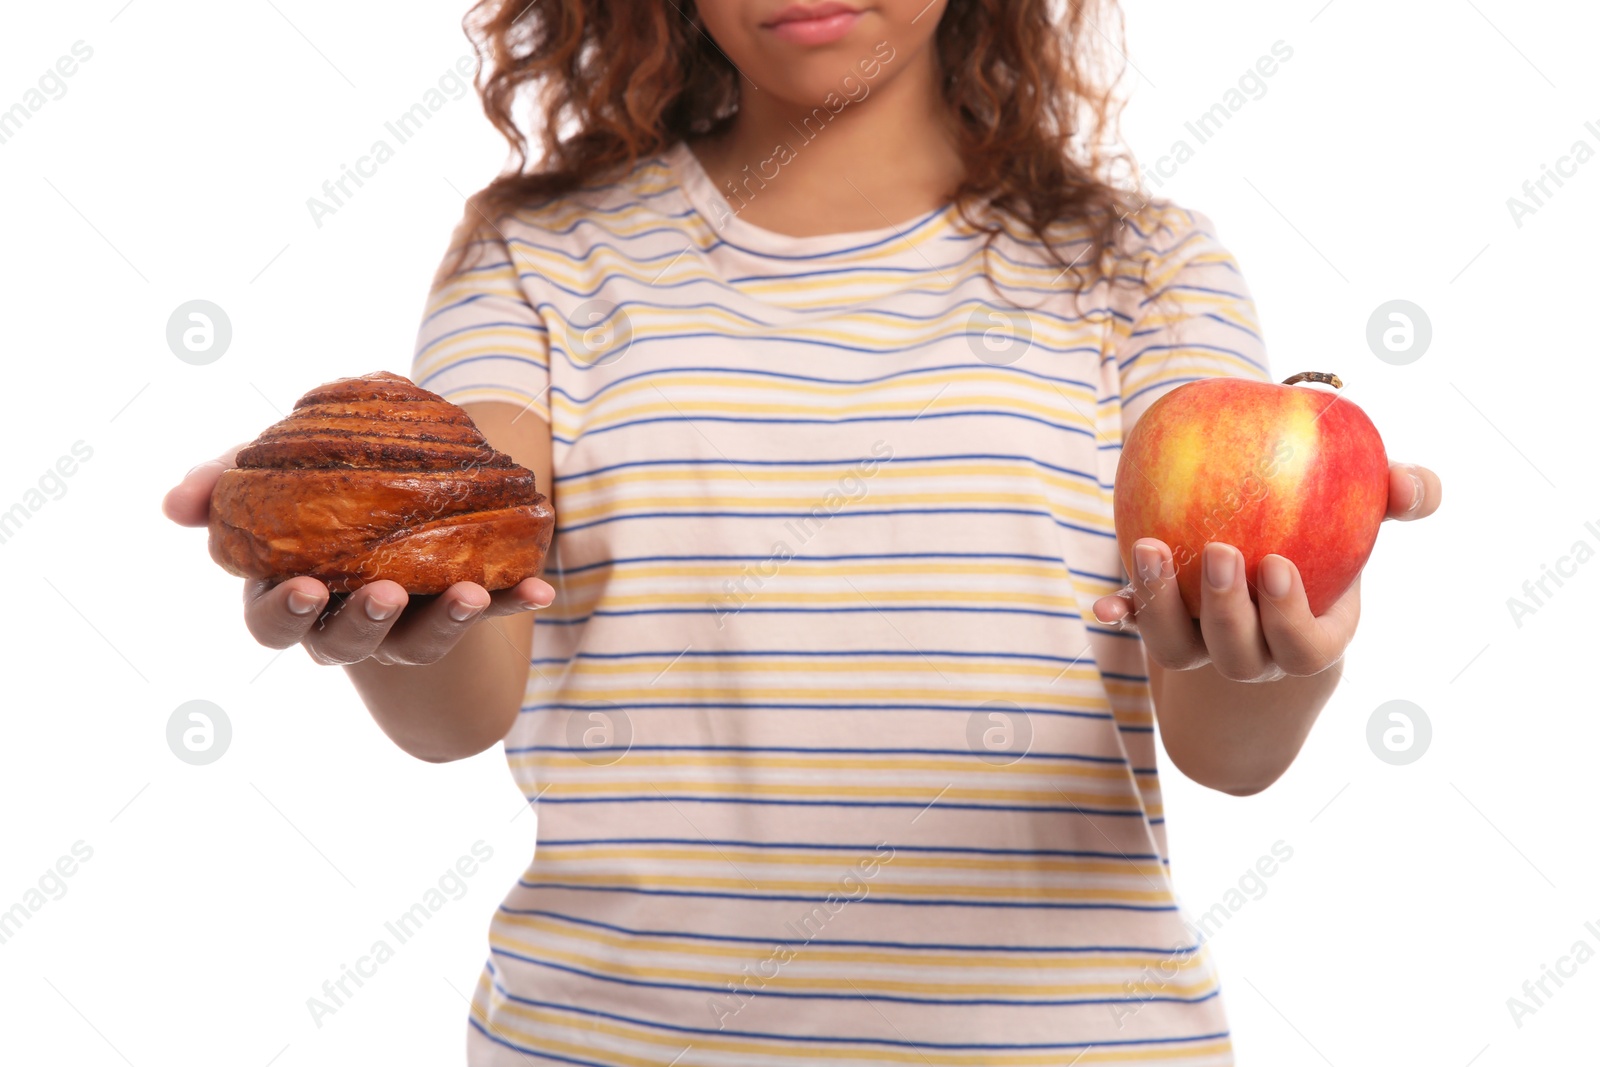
(1414, 492)
(1228, 620)
(379, 620)
(355, 628)
(189, 502)
(527, 594)
(1114, 609)
(1170, 636)
(1301, 643)
(280, 616)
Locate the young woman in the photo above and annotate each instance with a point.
(823, 325)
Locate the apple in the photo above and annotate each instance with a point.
(1284, 468)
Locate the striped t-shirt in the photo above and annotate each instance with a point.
(831, 760)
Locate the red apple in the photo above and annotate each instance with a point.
(1291, 469)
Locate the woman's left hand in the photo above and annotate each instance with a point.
(1243, 641)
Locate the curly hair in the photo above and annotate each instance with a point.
(1029, 86)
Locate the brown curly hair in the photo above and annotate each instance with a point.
(1030, 90)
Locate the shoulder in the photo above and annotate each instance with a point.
(1165, 257)
(1162, 234)
(618, 207)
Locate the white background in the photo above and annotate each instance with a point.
(177, 166)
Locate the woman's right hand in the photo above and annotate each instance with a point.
(378, 621)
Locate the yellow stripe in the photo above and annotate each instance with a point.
(675, 1045)
(806, 504)
(734, 666)
(815, 952)
(626, 787)
(963, 402)
(972, 892)
(829, 477)
(719, 979)
(557, 852)
(665, 269)
(786, 387)
(757, 762)
(447, 350)
(653, 694)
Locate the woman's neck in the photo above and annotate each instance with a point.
(879, 156)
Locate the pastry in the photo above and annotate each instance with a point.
(372, 478)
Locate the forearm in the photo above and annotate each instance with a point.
(459, 705)
(1238, 737)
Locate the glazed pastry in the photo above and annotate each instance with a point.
(372, 478)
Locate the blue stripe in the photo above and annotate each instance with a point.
(464, 301)
(816, 846)
(946, 292)
(855, 995)
(529, 1050)
(847, 461)
(579, 620)
(508, 357)
(738, 801)
(1159, 293)
(970, 413)
(1202, 315)
(842, 943)
(529, 709)
(909, 653)
(605, 613)
(968, 305)
(529, 326)
(590, 215)
(829, 1040)
(840, 514)
(869, 899)
(835, 346)
(1192, 347)
(751, 372)
(965, 753)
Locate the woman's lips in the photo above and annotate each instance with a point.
(812, 31)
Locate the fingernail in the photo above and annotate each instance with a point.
(1274, 576)
(1417, 492)
(1148, 559)
(1218, 565)
(1113, 618)
(377, 611)
(302, 603)
(463, 612)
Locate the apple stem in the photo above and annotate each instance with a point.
(1315, 376)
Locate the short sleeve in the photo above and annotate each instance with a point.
(480, 338)
(1192, 316)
